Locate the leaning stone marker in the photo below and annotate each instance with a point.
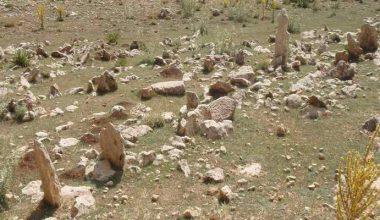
(50, 183)
(112, 146)
(282, 37)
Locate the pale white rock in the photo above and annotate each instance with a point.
(250, 170)
(68, 142)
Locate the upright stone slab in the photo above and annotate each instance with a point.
(354, 50)
(282, 38)
(112, 146)
(368, 38)
(50, 183)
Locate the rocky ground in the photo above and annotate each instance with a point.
(160, 110)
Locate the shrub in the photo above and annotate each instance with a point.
(226, 46)
(21, 58)
(239, 13)
(203, 28)
(294, 27)
(263, 65)
(20, 112)
(41, 15)
(302, 3)
(60, 11)
(112, 38)
(154, 121)
(147, 60)
(188, 8)
(355, 178)
(121, 62)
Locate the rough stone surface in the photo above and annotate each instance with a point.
(282, 38)
(173, 88)
(215, 175)
(112, 146)
(368, 38)
(50, 183)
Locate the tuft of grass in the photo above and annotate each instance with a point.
(147, 60)
(188, 8)
(112, 38)
(263, 65)
(302, 3)
(21, 58)
(60, 12)
(41, 15)
(294, 27)
(155, 121)
(226, 46)
(355, 183)
(203, 28)
(240, 12)
(20, 112)
(122, 62)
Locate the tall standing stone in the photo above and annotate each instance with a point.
(112, 146)
(282, 38)
(50, 183)
(354, 50)
(368, 38)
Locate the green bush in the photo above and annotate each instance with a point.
(302, 3)
(21, 58)
(20, 112)
(294, 27)
(154, 121)
(112, 38)
(188, 8)
(239, 13)
(122, 62)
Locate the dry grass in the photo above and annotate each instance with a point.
(355, 191)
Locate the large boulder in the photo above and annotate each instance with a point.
(343, 71)
(170, 88)
(216, 130)
(354, 49)
(368, 38)
(105, 83)
(222, 109)
(245, 72)
(172, 72)
(112, 145)
(219, 89)
(371, 124)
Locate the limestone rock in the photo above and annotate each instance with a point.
(105, 83)
(222, 109)
(354, 50)
(184, 167)
(343, 71)
(368, 38)
(282, 38)
(215, 175)
(219, 89)
(172, 72)
(170, 88)
(293, 101)
(54, 91)
(112, 146)
(50, 183)
(371, 124)
(192, 100)
(216, 130)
